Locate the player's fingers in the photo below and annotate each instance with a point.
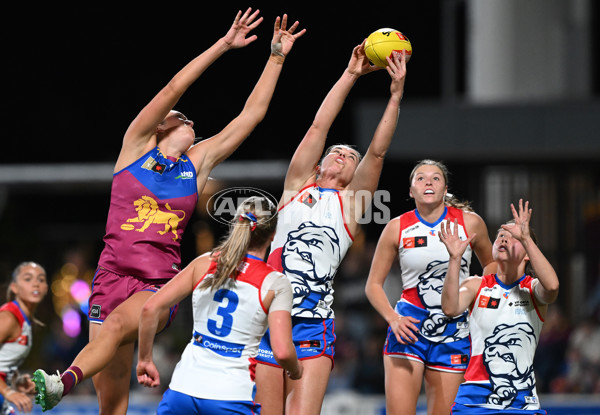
(284, 22)
(300, 33)
(277, 24)
(253, 16)
(293, 27)
(256, 23)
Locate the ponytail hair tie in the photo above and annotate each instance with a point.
(250, 216)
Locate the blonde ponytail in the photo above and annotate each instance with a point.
(253, 225)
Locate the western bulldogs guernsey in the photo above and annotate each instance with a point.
(14, 352)
(423, 262)
(505, 328)
(151, 203)
(310, 242)
(228, 326)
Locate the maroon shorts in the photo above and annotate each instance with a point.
(109, 290)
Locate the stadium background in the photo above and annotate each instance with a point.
(506, 93)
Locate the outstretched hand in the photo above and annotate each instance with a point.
(147, 374)
(242, 25)
(359, 63)
(449, 237)
(283, 39)
(397, 70)
(520, 229)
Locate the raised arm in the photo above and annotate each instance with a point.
(208, 153)
(546, 291)
(482, 246)
(302, 167)
(455, 299)
(404, 328)
(170, 294)
(141, 134)
(369, 169)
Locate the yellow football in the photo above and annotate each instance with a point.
(383, 43)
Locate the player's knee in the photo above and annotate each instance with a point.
(114, 325)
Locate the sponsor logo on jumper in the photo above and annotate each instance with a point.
(488, 302)
(218, 346)
(519, 303)
(309, 200)
(153, 165)
(414, 242)
(184, 175)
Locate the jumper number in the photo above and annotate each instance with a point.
(225, 312)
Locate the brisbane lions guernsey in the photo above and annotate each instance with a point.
(310, 242)
(13, 352)
(151, 203)
(424, 262)
(505, 329)
(228, 325)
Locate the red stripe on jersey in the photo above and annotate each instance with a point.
(14, 310)
(476, 370)
(412, 296)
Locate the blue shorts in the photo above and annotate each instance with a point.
(313, 338)
(447, 353)
(458, 409)
(177, 403)
(446, 357)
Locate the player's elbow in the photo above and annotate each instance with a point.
(450, 310)
(253, 115)
(551, 293)
(370, 290)
(283, 353)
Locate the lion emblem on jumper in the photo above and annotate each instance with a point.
(149, 213)
(316, 277)
(509, 372)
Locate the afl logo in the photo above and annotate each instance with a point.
(223, 204)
